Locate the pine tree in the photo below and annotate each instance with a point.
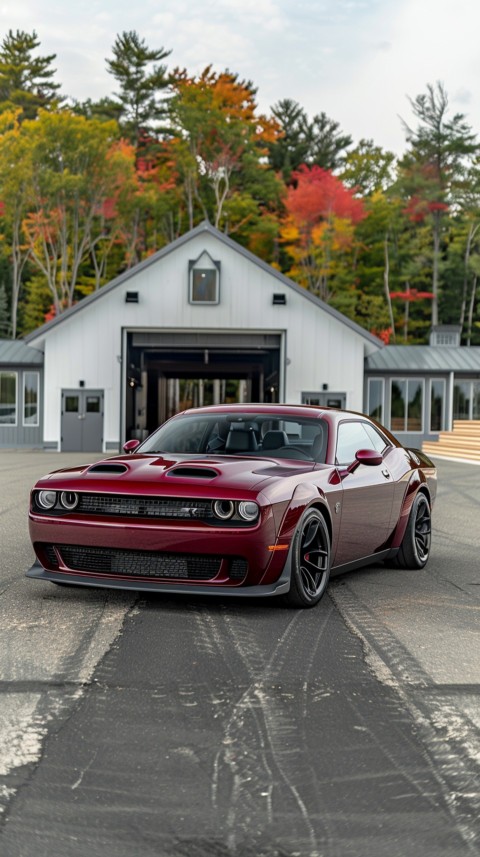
(142, 90)
(318, 142)
(434, 169)
(26, 80)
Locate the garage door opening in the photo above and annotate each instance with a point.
(166, 374)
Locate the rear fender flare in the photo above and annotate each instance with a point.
(416, 483)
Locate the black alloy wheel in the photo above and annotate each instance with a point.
(310, 560)
(415, 548)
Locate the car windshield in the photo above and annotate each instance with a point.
(263, 434)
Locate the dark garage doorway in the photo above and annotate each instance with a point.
(166, 373)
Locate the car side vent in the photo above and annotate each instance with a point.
(194, 472)
(108, 468)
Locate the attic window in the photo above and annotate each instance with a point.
(131, 298)
(204, 280)
(279, 299)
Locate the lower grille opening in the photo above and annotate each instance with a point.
(50, 556)
(146, 564)
(238, 568)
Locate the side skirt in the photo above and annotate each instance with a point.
(366, 560)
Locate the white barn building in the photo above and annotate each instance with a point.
(203, 321)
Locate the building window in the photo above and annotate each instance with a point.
(466, 400)
(475, 400)
(375, 398)
(461, 400)
(8, 398)
(437, 404)
(31, 385)
(204, 280)
(406, 405)
(204, 286)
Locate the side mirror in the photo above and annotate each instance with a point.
(365, 456)
(130, 446)
(369, 457)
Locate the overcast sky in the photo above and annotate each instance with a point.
(356, 60)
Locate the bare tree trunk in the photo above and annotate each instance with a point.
(436, 258)
(386, 282)
(471, 235)
(222, 177)
(19, 260)
(470, 310)
(407, 313)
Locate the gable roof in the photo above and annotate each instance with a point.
(203, 228)
(425, 358)
(14, 352)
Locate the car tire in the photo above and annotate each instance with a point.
(311, 557)
(415, 548)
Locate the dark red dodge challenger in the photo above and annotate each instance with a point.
(238, 500)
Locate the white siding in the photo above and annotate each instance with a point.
(87, 346)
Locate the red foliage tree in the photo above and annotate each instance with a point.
(318, 195)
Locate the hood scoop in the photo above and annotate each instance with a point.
(193, 472)
(108, 468)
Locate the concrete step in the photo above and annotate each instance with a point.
(444, 451)
(462, 442)
(466, 426)
(450, 438)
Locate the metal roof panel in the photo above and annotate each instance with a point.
(14, 352)
(425, 358)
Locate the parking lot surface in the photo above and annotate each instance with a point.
(180, 726)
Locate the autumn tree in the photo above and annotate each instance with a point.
(15, 187)
(142, 80)
(318, 230)
(434, 169)
(368, 169)
(218, 147)
(369, 172)
(71, 177)
(26, 79)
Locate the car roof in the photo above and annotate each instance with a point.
(262, 408)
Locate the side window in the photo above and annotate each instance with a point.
(377, 440)
(351, 437)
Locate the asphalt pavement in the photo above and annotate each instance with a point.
(182, 727)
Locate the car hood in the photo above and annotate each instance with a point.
(174, 474)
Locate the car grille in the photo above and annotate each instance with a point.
(129, 563)
(145, 507)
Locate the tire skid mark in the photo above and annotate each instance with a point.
(45, 706)
(261, 736)
(452, 760)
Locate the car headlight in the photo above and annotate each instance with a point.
(223, 509)
(248, 510)
(47, 499)
(69, 500)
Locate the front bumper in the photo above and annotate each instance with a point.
(282, 585)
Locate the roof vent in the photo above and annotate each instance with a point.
(131, 297)
(279, 299)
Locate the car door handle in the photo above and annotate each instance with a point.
(386, 474)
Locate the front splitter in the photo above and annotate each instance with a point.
(282, 585)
